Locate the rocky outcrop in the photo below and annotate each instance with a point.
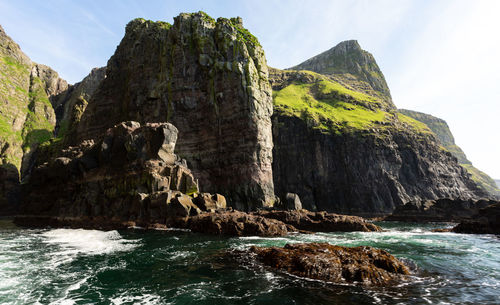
(70, 104)
(352, 153)
(320, 221)
(351, 66)
(336, 264)
(235, 223)
(440, 210)
(443, 133)
(26, 114)
(363, 174)
(209, 79)
(131, 174)
(486, 221)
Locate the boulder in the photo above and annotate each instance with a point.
(336, 264)
(209, 202)
(321, 221)
(292, 202)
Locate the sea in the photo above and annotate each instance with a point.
(135, 266)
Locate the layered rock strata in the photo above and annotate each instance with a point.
(443, 133)
(336, 264)
(208, 78)
(131, 174)
(347, 152)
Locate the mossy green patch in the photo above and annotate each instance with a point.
(327, 105)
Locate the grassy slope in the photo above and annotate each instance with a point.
(23, 99)
(329, 106)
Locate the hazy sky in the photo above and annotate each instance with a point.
(438, 57)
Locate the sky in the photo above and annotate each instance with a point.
(438, 56)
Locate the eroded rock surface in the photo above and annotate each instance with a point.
(119, 177)
(209, 78)
(321, 221)
(236, 223)
(336, 264)
(441, 210)
(486, 221)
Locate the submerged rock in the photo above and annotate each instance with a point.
(486, 221)
(336, 264)
(321, 221)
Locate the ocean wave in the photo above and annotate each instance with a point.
(90, 242)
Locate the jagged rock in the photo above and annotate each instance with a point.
(336, 264)
(209, 202)
(345, 162)
(209, 79)
(292, 202)
(26, 115)
(70, 104)
(486, 221)
(441, 210)
(443, 132)
(351, 66)
(182, 206)
(321, 221)
(129, 175)
(235, 223)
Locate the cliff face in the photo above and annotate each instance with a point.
(443, 133)
(26, 114)
(209, 79)
(341, 150)
(352, 67)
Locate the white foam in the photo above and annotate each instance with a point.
(89, 242)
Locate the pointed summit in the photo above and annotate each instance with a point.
(350, 65)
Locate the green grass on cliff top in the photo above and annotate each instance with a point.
(330, 106)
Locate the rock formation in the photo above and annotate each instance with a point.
(26, 114)
(209, 79)
(486, 221)
(440, 210)
(131, 174)
(443, 133)
(320, 221)
(351, 152)
(353, 68)
(336, 264)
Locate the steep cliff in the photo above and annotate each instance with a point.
(209, 78)
(345, 151)
(26, 114)
(353, 68)
(443, 133)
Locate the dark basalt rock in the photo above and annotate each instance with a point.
(441, 210)
(210, 79)
(336, 264)
(321, 221)
(129, 175)
(235, 223)
(363, 174)
(486, 221)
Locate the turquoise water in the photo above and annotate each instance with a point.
(64, 266)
